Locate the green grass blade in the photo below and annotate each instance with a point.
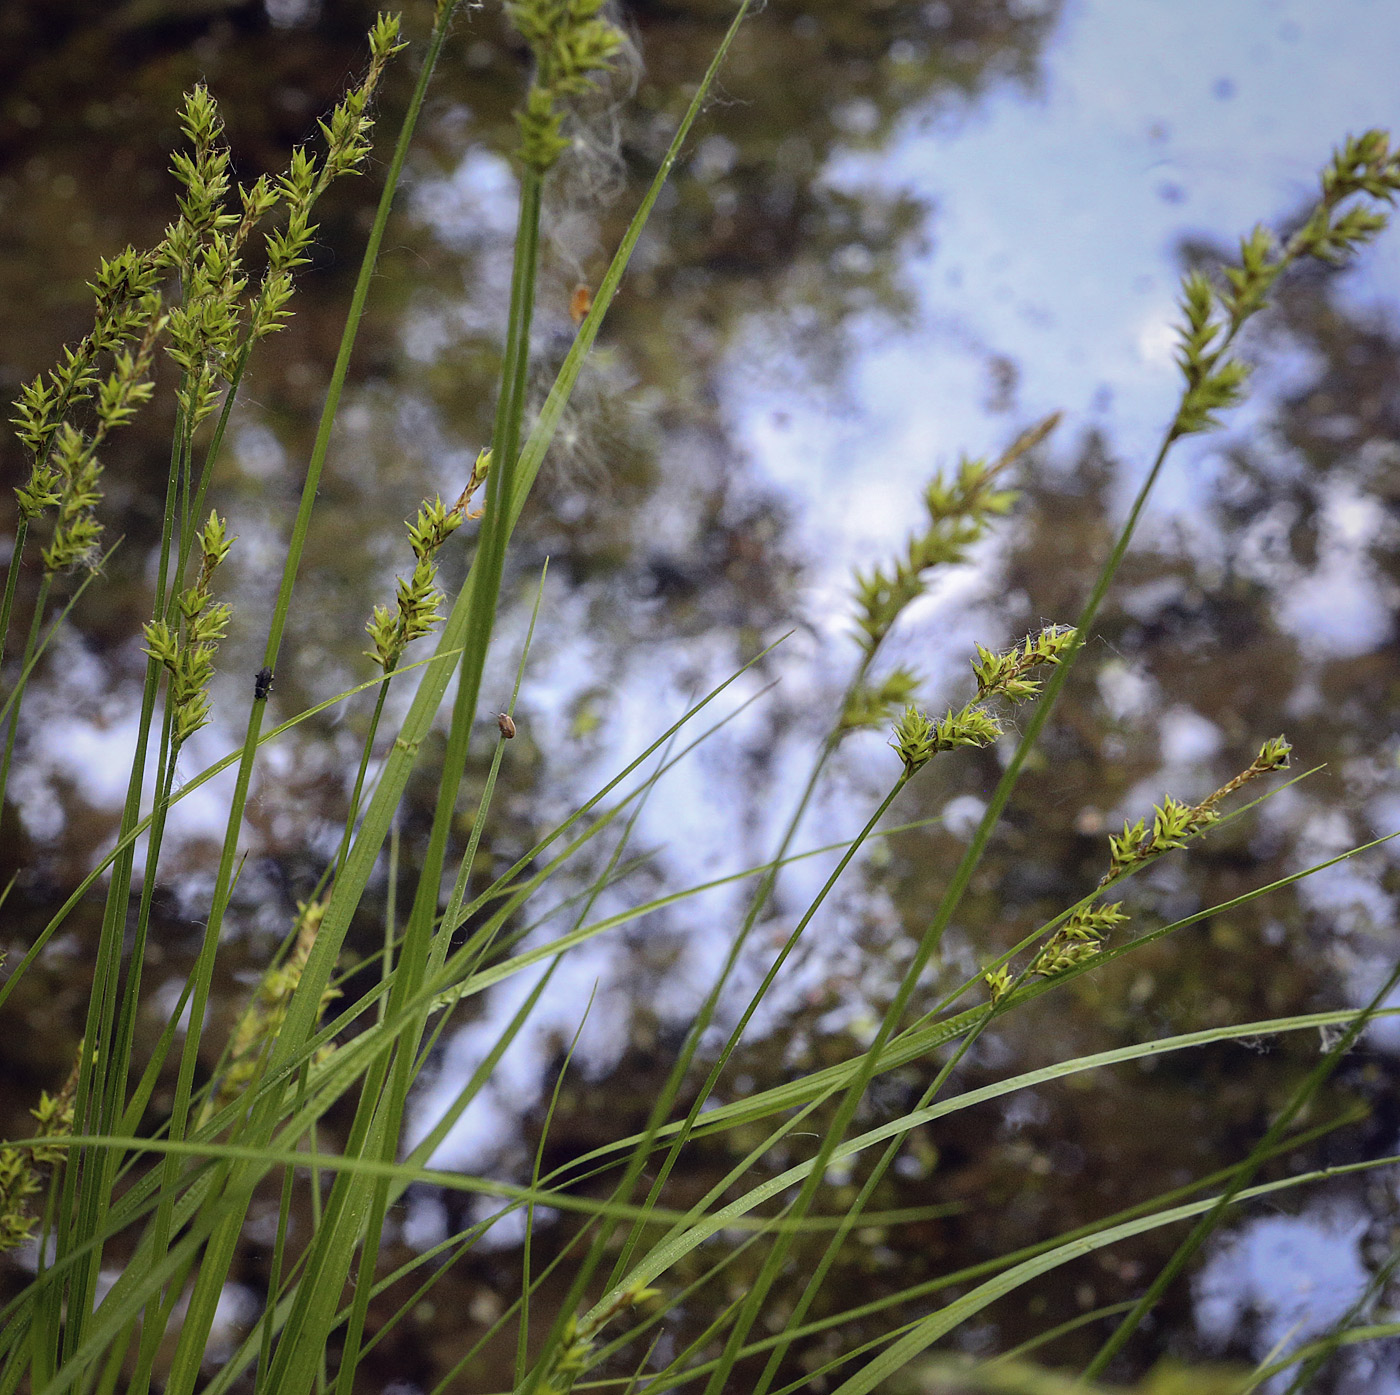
(939, 1324)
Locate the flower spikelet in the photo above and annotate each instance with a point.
(1174, 824)
(915, 739)
(257, 1028)
(20, 1175)
(871, 704)
(998, 983)
(1364, 167)
(417, 598)
(1079, 939)
(1004, 675)
(186, 648)
(571, 42)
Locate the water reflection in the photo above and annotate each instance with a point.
(1285, 1279)
(907, 229)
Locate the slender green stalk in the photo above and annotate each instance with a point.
(391, 921)
(1182, 1256)
(522, 1343)
(375, 825)
(378, 1121)
(12, 570)
(452, 916)
(381, 1116)
(357, 792)
(86, 1186)
(929, 1330)
(279, 1252)
(36, 624)
(185, 1367)
(406, 1066)
(1323, 1347)
(1213, 381)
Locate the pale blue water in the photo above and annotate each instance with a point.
(1049, 284)
(1055, 237)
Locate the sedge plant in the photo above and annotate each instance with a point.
(173, 1198)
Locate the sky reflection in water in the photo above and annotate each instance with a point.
(1050, 283)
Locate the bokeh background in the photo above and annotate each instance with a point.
(904, 231)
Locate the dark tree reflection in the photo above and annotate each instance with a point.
(650, 513)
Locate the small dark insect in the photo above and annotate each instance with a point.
(506, 724)
(262, 684)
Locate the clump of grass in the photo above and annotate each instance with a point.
(22, 1169)
(257, 1027)
(186, 1186)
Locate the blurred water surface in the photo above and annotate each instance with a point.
(905, 231)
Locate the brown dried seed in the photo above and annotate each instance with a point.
(506, 724)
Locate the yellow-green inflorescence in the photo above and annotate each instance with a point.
(20, 1174)
(571, 40)
(64, 469)
(577, 1342)
(959, 511)
(393, 628)
(1079, 938)
(186, 648)
(1082, 935)
(63, 416)
(960, 508)
(215, 322)
(918, 737)
(1365, 165)
(1174, 823)
(872, 704)
(263, 1018)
